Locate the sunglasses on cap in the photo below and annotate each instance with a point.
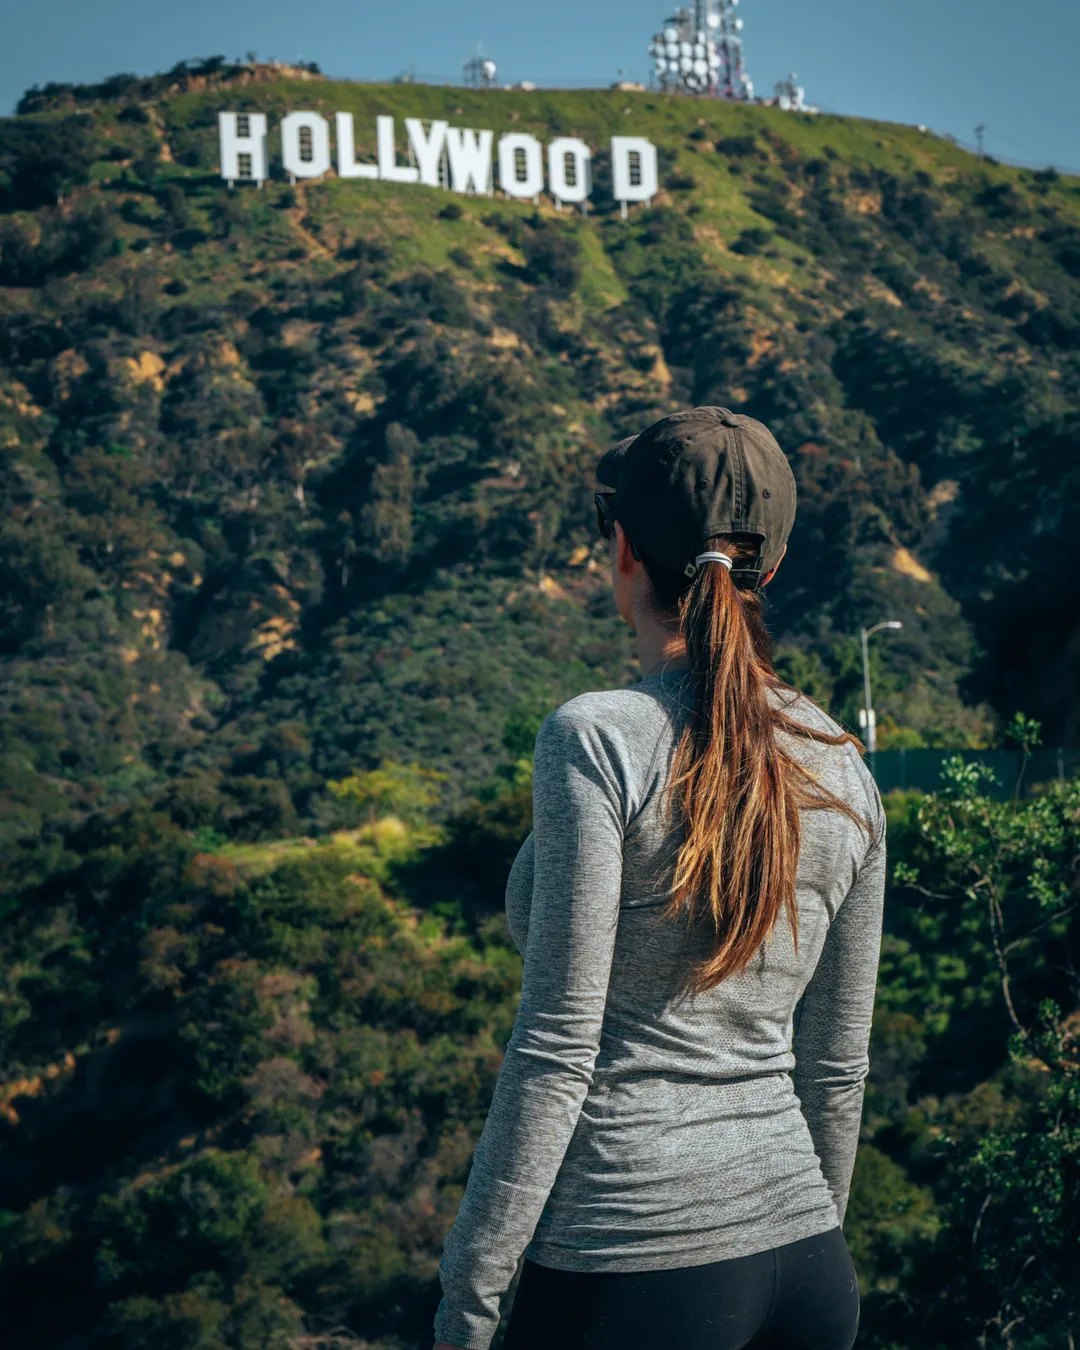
(605, 519)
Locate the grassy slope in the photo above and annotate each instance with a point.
(247, 1074)
(885, 320)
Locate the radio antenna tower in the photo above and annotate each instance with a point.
(479, 72)
(700, 51)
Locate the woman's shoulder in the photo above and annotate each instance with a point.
(841, 768)
(633, 706)
(621, 731)
(804, 710)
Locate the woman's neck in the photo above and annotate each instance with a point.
(658, 648)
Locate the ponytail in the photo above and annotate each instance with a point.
(738, 792)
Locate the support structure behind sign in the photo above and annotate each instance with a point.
(634, 171)
(521, 166)
(305, 145)
(348, 167)
(570, 172)
(242, 138)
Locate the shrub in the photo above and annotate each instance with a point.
(738, 146)
(552, 255)
(33, 251)
(174, 205)
(435, 296)
(751, 241)
(40, 161)
(680, 181)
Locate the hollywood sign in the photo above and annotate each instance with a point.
(458, 159)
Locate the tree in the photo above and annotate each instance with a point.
(146, 165)
(228, 212)
(1017, 1196)
(386, 519)
(175, 209)
(552, 255)
(404, 790)
(984, 968)
(41, 161)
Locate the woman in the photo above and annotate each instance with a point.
(673, 1130)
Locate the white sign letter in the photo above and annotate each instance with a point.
(243, 145)
(427, 148)
(569, 170)
(388, 165)
(633, 169)
(305, 144)
(521, 165)
(470, 159)
(347, 166)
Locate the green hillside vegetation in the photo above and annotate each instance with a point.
(245, 1080)
(300, 477)
(297, 549)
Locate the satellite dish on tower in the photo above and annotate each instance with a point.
(479, 71)
(699, 51)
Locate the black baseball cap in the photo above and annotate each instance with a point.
(697, 474)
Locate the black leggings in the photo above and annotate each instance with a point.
(802, 1296)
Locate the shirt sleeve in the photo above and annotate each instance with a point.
(832, 1035)
(578, 828)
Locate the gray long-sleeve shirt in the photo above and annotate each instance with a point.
(633, 1127)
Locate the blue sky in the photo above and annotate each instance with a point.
(947, 63)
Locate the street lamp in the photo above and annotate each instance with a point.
(866, 714)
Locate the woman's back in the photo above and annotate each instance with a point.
(682, 1090)
(636, 1126)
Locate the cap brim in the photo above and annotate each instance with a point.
(607, 471)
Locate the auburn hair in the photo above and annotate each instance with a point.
(737, 790)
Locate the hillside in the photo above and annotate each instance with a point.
(297, 547)
(242, 1083)
(299, 477)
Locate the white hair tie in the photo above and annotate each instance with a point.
(713, 557)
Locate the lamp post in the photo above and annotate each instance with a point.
(868, 720)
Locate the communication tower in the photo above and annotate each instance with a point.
(791, 96)
(700, 51)
(480, 72)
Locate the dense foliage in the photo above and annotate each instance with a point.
(296, 546)
(293, 479)
(247, 1078)
(965, 1209)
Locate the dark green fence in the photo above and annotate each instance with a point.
(922, 768)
